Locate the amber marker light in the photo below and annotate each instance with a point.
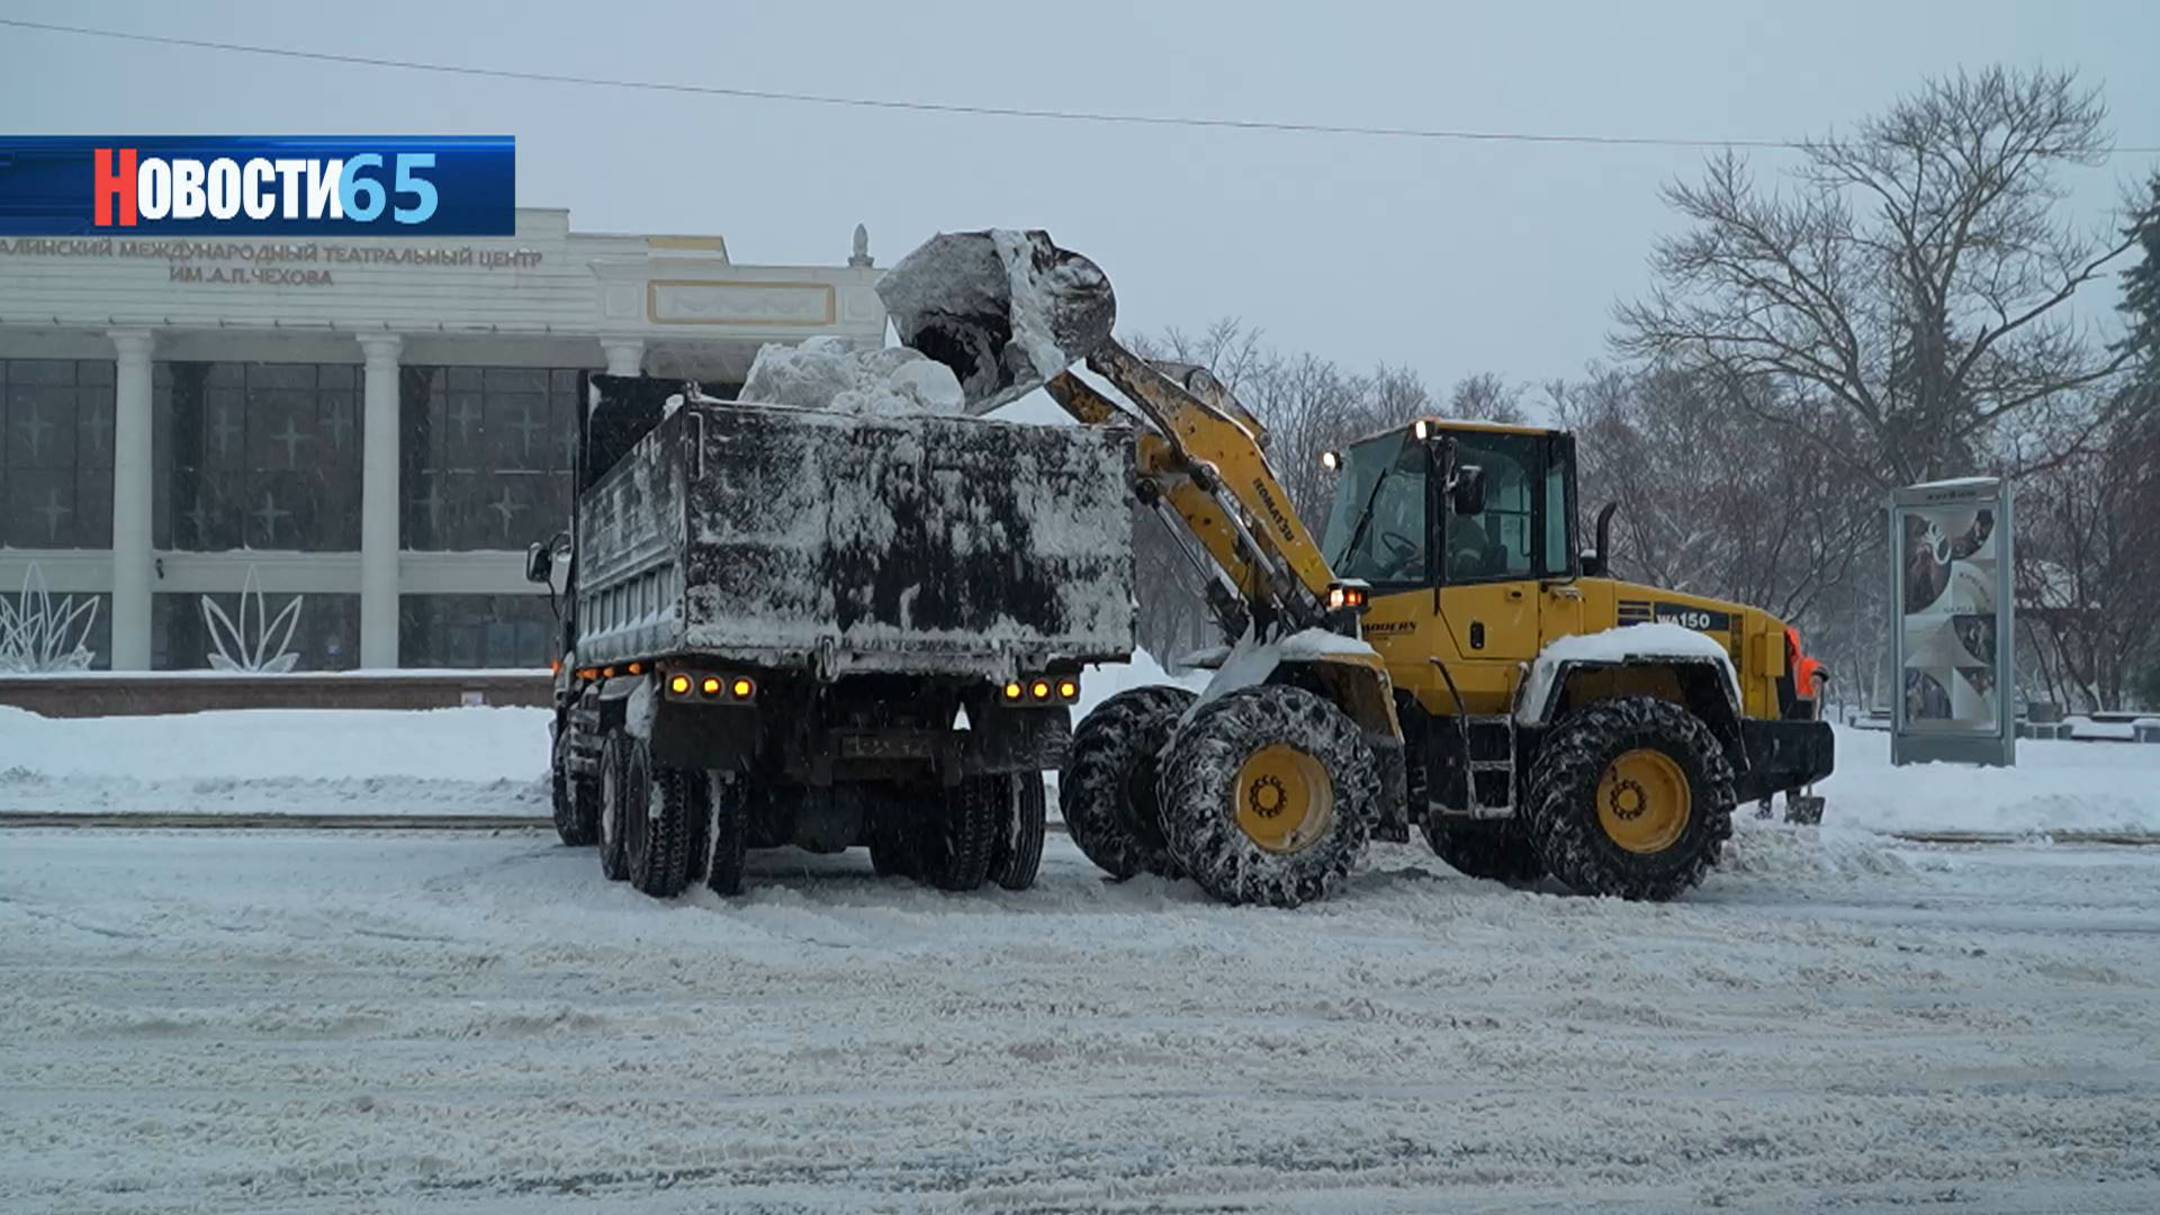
(680, 685)
(1068, 689)
(711, 686)
(743, 688)
(1012, 691)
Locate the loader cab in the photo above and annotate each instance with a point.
(1473, 579)
(1397, 524)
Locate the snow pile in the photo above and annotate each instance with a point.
(829, 373)
(1251, 662)
(1104, 680)
(272, 761)
(2056, 786)
(1638, 641)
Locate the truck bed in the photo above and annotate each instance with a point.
(792, 538)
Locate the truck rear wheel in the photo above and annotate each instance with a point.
(1024, 806)
(1107, 790)
(954, 841)
(576, 798)
(727, 830)
(1630, 797)
(1268, 795)
(657, 830)
(614, 797)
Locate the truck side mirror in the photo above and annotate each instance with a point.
(1468, 491)
(539, 562)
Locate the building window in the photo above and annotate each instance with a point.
(256, 456)
(469, 631)
(324, 634)
(486, 455)
(54, 631)
(56, 453)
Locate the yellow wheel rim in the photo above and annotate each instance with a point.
(1643, 801)
(1285, 801)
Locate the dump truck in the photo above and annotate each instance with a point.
(789, 626)
(1445, 659)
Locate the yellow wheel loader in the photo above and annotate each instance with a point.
(1445, 658)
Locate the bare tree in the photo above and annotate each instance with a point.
(1904, 291)
(1485, 396)
(2088, 569)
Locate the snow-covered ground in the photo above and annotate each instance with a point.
(279, 761)
(328, 1023)
(494, 761)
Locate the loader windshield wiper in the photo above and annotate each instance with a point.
(1365, 516)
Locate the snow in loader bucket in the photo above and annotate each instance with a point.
(914, 544)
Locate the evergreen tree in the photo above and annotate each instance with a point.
(2141, 293)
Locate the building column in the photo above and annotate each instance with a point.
(379, 431)
(625, 356)
(131, 556)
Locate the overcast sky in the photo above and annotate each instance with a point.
(1449, 257)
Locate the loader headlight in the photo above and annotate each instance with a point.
(1346, 596)
(1421, 429)
(1331, 460)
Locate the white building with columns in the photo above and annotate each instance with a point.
(201, 434)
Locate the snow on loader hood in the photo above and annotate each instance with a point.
(1629, 643)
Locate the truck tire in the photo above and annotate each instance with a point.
(889, 845)
(1107, 789)
(576, 798)
(727, 828)
(1630, 797)
(1018, 855)
(656, 832)
(1497, 851)
(1269, 795)
(614, 796)
(957, 838)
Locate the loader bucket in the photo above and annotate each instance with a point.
(1005, 310)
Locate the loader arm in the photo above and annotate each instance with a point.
(1202, 461)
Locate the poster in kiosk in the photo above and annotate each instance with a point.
(1950, 584)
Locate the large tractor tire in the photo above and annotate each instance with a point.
(657, 831)
(576, 798)
(727, 833)
(1269, 795)
(615, 798)
(1497, 851)
(957, 837)
(1020, 799)
(1107, 789)
(1631, 797)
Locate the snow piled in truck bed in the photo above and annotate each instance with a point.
(829, 373)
